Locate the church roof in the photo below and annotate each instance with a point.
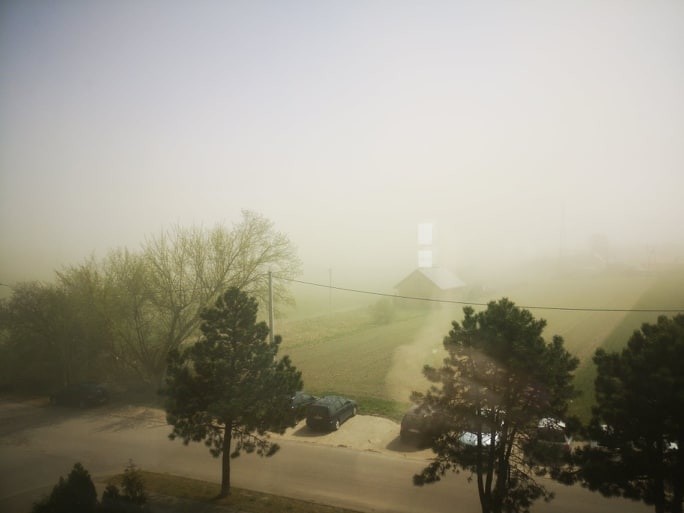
(442, 278)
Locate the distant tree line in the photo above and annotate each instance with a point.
(121, 316)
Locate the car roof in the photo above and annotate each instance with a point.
(551, 423)
(328, 399)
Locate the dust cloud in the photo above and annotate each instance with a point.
(406, 373)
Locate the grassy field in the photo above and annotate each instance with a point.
(348, 352)
(582, 331)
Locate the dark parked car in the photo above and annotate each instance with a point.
(550, 443)
(300, 402)
(329, 412)
(419, 425)
(552, 431)
(81, 395)
(470, 438)
(489, 418)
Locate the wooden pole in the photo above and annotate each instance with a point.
(270, 305)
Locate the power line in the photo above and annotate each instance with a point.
(470, 303)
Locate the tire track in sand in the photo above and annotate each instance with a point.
(406, 373)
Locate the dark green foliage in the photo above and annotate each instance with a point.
(53, 334)
(76, 493)
(500, 379)
(133, 486)
(112, 501)
(132, 500)
(230, 386)
(383, 311)
(638, 420)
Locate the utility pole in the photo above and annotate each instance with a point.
(8, 286)
(270, 305)
(561, 241)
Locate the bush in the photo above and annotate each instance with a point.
(133, 486)
(76, 493)
(383, 311)
(132, 500)
(112, 501)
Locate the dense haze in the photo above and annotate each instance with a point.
(518, 128)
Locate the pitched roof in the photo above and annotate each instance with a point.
(442, 278)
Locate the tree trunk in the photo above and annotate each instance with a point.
(678, 481)
(225, 467)
(659, 492)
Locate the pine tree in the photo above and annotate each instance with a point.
(75, 493)
(499, 380)
(229, 389)
(638, 421)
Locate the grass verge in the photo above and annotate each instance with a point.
(382, 407)
(241, 500)
(378, 407)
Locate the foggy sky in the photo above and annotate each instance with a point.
(515, 127)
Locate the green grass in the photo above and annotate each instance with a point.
(382, 407)
(242, 500)
(584, 332)
(312, 301)
(666, 290)
(347, 353)
(386, 408)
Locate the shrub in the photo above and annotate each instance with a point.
(132, 500)
(75, 493)
(383, 311)
(133, 485)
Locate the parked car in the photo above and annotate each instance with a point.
(470, 438)
(489, 418)
(553, 431)
(81, 395)
(330, 412)
(300, 402)
(419, 425)
(550, 443)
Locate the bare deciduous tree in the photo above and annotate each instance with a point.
(152, 299)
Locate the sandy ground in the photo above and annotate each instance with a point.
(406, 373)
(32, 461)
(19, 420)
(362, 432)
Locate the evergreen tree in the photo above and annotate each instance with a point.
(134, 497)
(75, 493)
(229, 389)
(638, 421)
(499, 380)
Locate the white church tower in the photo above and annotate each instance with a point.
(424, 245)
